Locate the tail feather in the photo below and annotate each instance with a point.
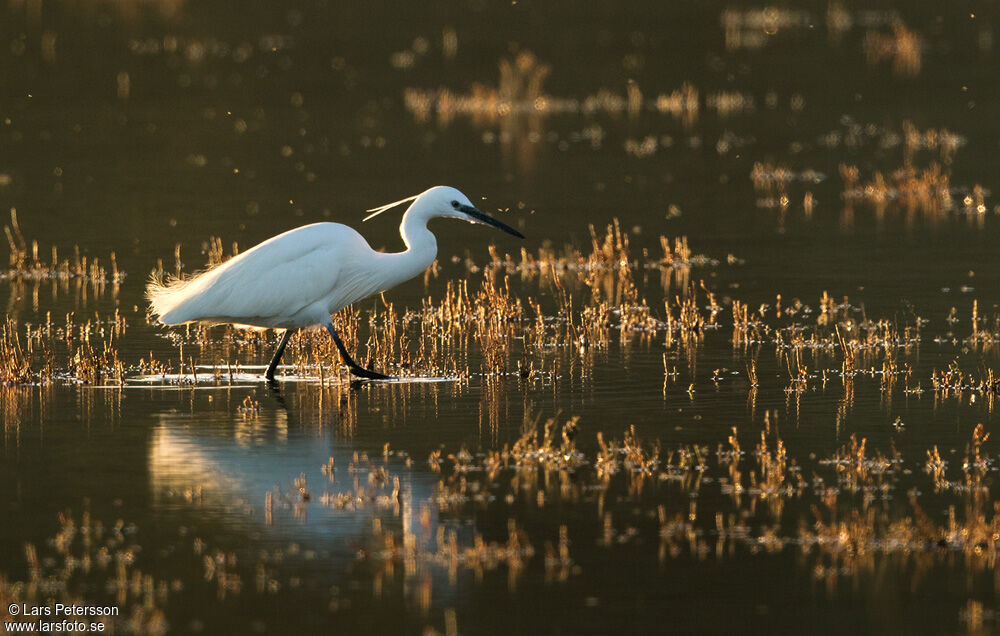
(167, 299)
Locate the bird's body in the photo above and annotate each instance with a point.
(299, 278)
(296, 279)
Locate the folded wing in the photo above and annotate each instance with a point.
(263, 286)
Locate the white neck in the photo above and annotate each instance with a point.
(421, 246)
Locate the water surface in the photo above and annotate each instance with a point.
(133, 129)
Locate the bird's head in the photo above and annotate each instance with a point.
(450, 203)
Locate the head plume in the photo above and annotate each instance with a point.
(388, 206)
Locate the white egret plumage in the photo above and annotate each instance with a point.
(299, 278)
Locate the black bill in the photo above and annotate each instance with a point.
(481, 217)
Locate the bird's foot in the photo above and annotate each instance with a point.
(367, 374)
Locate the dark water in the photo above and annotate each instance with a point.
(133, 127)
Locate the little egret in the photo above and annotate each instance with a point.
(299, 278)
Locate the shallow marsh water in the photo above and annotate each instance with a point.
(134, 128)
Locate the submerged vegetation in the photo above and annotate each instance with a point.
(585, 304)
(844, 517)
(27, 263)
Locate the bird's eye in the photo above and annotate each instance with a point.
(454, 204)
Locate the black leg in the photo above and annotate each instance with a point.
(285, 337)
(355, 368)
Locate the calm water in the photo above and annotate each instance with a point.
(131, 128)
